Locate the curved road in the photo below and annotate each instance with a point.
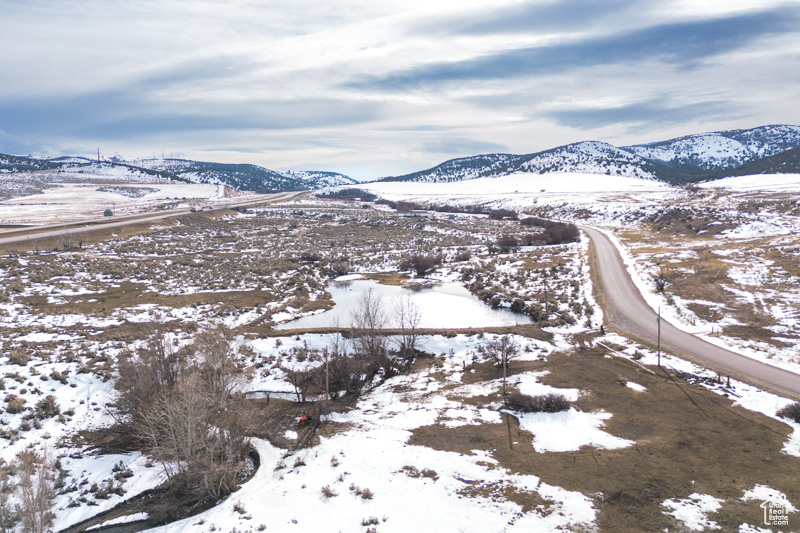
(626, 311)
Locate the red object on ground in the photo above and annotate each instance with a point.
(305, 418)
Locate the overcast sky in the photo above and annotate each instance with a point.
(374, 88)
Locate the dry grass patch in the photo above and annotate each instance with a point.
(128, 294)
(688, 440)
(388, 278)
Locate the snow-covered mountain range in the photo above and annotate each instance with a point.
(241, 176)
(762, 150)
(682, 160)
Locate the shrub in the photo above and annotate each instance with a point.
(310, 257)
(508, 243)
(660, 282)
(791, 411)
(544, 403)
(367, 494)
(500, 214)
(341, 268)
(18, 356)
(47, 408)
(463, 255)
(422, 265)
(59, 376)
(328, 492)
(14, 285)
(518, 306)
(534, 221)
(15, 404)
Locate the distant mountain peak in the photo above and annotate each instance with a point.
(680, 160)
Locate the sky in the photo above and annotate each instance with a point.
(374, 89)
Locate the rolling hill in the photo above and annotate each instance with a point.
(677, 161)
(240, 176)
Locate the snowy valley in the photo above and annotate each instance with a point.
(434, 432)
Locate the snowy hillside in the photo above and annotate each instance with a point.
(240, 176)
(465, 168)
(682, 160)
(721, 150)
(589, 157)
(317, 179)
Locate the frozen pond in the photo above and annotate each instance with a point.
(446, 305)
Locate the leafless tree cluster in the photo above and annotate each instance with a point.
(508, 243)
(499, 349)
(29, 480)
(421, 264)
(349, 367)
(183, 409)
(408, 317)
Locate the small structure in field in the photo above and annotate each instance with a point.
(108, 213)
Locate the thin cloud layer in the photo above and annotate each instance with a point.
(383, 88)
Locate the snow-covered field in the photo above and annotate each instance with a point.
(758, 183)
(75, 202)
(73, 313)
(761, 212)
(524, 190)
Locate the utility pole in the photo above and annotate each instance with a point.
(546, 303)
(504, 373)
(658, 321)
(327, 389)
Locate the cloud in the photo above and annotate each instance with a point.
(12, 145)
(130, 114)
(552, 16)
(461, 146)
(389, 86)
(679, 43)
(653, 113)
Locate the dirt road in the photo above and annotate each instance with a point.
(627, 312)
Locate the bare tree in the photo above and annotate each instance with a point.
(189, 417)
(219, 368)
(301, 380)
(175, 427)
(366, 322)
(67, 241)
(145, 376)
(408, 317)
(8, 486)
(501, 350)
(36, 492)
(508, 243)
